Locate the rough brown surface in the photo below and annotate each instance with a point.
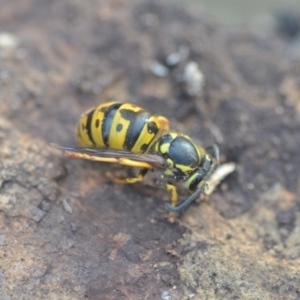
(66, 232)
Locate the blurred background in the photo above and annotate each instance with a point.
(283, 16)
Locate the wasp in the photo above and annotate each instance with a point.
(127, 134)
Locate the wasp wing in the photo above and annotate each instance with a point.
(115, 156)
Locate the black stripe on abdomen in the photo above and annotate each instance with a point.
(88, 126)
(109, 114)
(137, 122)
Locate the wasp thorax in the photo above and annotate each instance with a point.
(181, 153)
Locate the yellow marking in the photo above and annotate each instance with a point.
(188, 182)
(173, 134)
(131, 107)
(170, 163)
(83, 138)
(185, 168)
(97, 132)
(169, 172)
(164, 148)
(117, 138)
(145, 137)
(174, 197)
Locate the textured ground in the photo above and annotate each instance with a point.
(67, 232)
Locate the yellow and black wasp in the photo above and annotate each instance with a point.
(127, 134)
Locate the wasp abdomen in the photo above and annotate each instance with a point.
(120, 126)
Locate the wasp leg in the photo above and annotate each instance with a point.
(133, 163)
(140, 177)
(174, 196)
(121, 161)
